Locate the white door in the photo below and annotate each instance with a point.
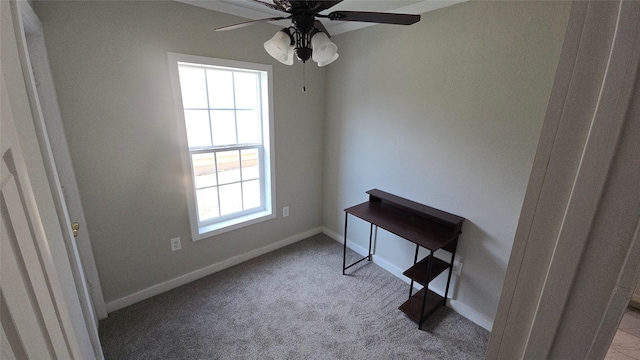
(50, 133)
(41, 317)
(57, 159)
(32, 327)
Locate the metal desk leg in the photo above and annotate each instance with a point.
(453, 258)
(344, 246)
(370, 237)
(426, 292)
(415, 260)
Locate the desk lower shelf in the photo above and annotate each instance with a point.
(413, 307)
(420, 274)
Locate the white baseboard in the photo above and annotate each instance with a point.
(455, 305)
(205, 271)
(471, 314)
(383, 263)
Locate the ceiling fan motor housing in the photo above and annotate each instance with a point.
(304, 26)
(303, 22)
(303, 54)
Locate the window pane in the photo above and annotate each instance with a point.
(250, 164)
(193, 87)
(248, 127)
(198, 131)
(204, 170)
(246, 86)
(251, 194)
(230, 199)
(207, 203)
(228, 166)
(220, 89)
(223, 125)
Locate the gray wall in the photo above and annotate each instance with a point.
(446, 112)
(109, 63)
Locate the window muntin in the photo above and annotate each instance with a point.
(235, 171)
(227, 122)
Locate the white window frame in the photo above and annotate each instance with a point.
(200, 230)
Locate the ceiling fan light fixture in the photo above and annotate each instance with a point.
(333, 58)
(324, 50)
(290, 53)
(279, 46)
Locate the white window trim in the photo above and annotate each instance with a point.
(199, 232)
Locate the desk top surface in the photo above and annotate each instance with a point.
(419, 228)
(416, 208)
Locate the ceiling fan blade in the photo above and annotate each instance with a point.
(318, 25)
(374, 17)
(284, 5)
(324, 5)
(270, 5)
(248, 23)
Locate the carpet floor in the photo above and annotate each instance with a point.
(292, 303)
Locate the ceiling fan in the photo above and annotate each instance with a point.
(307, 37)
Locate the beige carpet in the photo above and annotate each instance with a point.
(293, 303)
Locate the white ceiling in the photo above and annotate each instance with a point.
(252, 10)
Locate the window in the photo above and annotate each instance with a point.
(224, 112)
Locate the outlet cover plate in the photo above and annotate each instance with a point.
(176, 244)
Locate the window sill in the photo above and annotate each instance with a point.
(210, 230)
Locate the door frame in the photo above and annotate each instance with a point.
(576, 254)
(51, 132)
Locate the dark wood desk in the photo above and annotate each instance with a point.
(424, 226)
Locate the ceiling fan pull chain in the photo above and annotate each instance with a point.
(304, 76)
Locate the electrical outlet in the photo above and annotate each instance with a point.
(285, 211)
(176, 244)
(457, 267)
